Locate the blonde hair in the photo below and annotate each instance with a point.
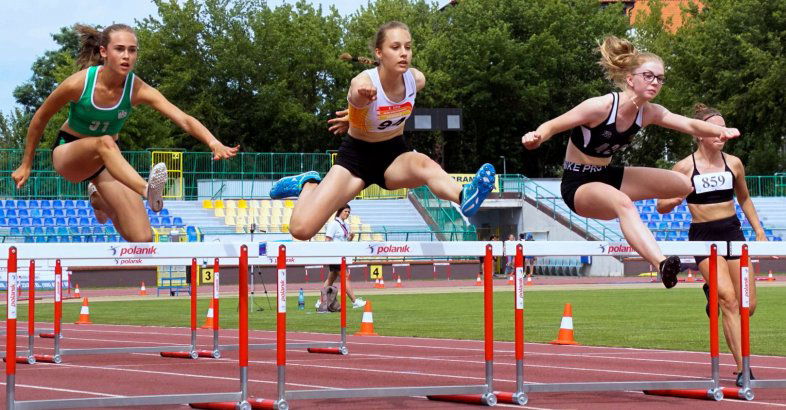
(379, 40)
(91, 40)
(619, 57)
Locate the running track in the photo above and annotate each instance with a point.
(373, 361)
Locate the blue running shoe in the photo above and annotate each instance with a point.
(289, 187)
(476, 191)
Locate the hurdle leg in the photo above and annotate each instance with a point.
(342, 349)
(519, 396)
(192, 354)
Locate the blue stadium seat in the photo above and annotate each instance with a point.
(57, 203)
(10, 213)
(93, 221)
(49, 221)
(15, 230)
(664, 225)
(47, 213)
(777, 239)
(38, 221)
(110, 230)
(45, 203)
(64, 238)
(655, 217)
(60, 221)
(38, 230)
(3, 222)
(150, 212)
(62, 230)
(164, 212)
(2, 213)
(49, 230)
(178, 222)
(192, 234)
(645, 217)
(679, 216)
(84, 221)
(33, 203)
(70, 212)
(667, 217)
(22, 213)
(27, 230)
(40, 239)
(82, 204)
(58, 212)
(652, 225)
(29, 239)
(36, 212)
(9, 204)
(26, 221)
(12, 221)
(85, 230)
(155, 221)
(89, 238)
(73, 230)
(21, 203)
(72, 221)
(99, 238)
(98, 229)
(68, 203)
(81, 212)
(166, 221)
(77, 238)
(51, 238)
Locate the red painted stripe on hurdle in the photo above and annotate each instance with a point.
(193, 294)
(216, 285)
(255, 404)
(243, 308)
(281, 316)
(325, 350)
(343, 273)
(458, 398)
(488, 304)
(736, 393)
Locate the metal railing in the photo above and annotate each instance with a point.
(446, 218)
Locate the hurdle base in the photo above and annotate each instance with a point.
(519, 398)
(254, 403)
(47, 335)
(180, 355)
(486, 399)
(711, 394)
(329, 350)
(23, 359)
(46, 358)
(736, 393)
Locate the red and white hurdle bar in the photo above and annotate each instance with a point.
(479, 394)
(143, 254)
(745, 250)
(709, 388)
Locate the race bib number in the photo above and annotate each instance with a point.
(715, 181)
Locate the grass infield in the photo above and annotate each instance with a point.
(644, 318)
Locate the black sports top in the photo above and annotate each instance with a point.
(604, 140)
(713, 187)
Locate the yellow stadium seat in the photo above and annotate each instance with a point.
(240, 229)
(218, 203)
(207, 204)
(355, 227)
(354, 220)
(320, 237)
(242, 204)
(230, 220)
(377, 237)
(288, 203)
(366, 228)
(285, 228)
(219, 212)
(229, 203)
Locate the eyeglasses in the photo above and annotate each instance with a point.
(649, 77)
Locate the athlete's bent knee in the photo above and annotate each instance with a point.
(140, 237)
(300, 231)
(728, 302)
(107, 143)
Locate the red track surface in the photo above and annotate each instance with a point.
(373, 361)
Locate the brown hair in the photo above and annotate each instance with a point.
(379, 40)
(704, 113)
(91, 40)
(619, 57)
(341, 209)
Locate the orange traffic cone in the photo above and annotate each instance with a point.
(770, 278)
(690, 276)
(398, 281)
(142, 290)
(367, 324)
(565, 336)
(382, 282)
(376, 283)
(76, 291)
(84, 314)
(529, 281)
(478, 281)
(209, 320)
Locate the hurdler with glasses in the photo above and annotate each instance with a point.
(601, 126)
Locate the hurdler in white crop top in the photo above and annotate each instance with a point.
(383, 118)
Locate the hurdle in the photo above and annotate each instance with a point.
(135, 254)
(745, 250)
(477, 394)
(708, 389)
(447, 269)
(402, 265)
(321, 271)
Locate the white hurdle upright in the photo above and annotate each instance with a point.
(745, 250)
(111, 255)
(478, 394)
(707, 389)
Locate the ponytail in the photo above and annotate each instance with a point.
(91, 40)
(619, 57)
(361, 60)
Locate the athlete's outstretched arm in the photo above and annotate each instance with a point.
(589, 111)
(659, 115)
(152, 97)
(744, 197)
(69, 90)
